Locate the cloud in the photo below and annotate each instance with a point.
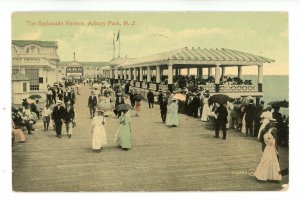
(31, 36)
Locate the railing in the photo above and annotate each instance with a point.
(144, 85)
(210, 88)
(152, 86)
(163, 87)
(138, 84)
(238, 88)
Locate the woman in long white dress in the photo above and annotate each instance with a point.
(266, 117)
(173, 119)
(98, 131)
(268, 168)
(206, 110)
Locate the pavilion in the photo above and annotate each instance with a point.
(140, 71)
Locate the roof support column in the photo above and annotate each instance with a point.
(200, 73)
(115, 80)
(129, 74)
(148, 75)
(170, 77)
(209, 72)
(217, 78)
(125, 74)
(260, 77)
(240, 72)
(134, 73)
(157, 74)
(141, 73)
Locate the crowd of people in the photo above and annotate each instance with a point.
(265, 123)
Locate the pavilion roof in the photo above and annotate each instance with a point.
(198, 56)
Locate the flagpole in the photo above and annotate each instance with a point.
(119, 43)
(114, 47)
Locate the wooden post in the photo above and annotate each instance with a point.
(260, 78)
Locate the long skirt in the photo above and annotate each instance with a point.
(268, 168)
(18, 134)
(99, 137)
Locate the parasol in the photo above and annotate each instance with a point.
(105, 106)
(30, 101)
(282, 103)
(35, 97)
(179, 96)
(219, 98)
(96, 86)
(138, 97)
(123, 107)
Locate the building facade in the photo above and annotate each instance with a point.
(37, 61)
(86, 70)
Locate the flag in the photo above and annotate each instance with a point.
(118, 36)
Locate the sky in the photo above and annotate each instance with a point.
(260, 33)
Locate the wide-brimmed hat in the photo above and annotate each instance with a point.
(58, 102)
(268, 107)
(100, 110)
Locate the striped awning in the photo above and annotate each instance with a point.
(198, 56)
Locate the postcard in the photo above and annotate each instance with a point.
(150, 101)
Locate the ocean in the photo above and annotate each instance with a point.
(275, 88)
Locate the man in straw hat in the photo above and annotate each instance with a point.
(69, 118)
(58, 116)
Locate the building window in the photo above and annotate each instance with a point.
(15, 71)
(24, 87)
(33, 50)
(33, 75)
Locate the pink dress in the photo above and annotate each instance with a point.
(268, 167)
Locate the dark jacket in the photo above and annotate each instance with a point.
(66, 97)
(150, 96)
(58, 114)
(119, 100)
(221, 113)
(159, 98)
(92, 102)
(69, 114)
(250, 112)
(163, 103)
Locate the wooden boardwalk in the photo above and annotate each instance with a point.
(186, 158)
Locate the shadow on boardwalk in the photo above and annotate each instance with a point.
(185, 158)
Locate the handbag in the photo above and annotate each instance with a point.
(44, 119)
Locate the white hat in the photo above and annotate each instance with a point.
(58, 101)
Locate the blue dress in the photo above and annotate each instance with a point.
(173, 118)
(124, 132)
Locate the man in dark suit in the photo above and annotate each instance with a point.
(160, 95)
(69, 118)
(58, 116)
(163, 107)
(221, 113)
(92, 102)
(72, 96)
(66, 96)
(196, 105)
(150, 97)
(249, 117)
(119, 100)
